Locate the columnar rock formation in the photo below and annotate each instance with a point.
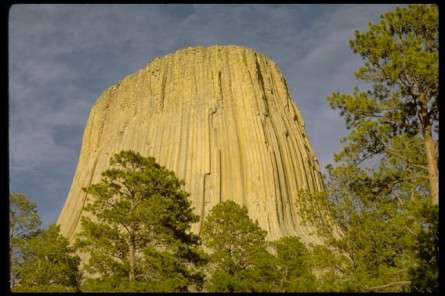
(222, 119)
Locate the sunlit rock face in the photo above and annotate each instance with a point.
(222, 119)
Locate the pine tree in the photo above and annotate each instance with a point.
(401, 61)
(387, 170)
(137, 234)
(23, 217)
(239, 260)
(24, 222)
(47, 263)
(424, 274)
(295, 265)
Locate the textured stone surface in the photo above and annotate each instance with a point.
(220, 117)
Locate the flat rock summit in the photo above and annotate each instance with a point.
(222, 119)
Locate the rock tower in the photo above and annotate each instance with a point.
(222, 119)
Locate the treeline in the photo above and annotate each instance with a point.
(379, 219)
(140, 240)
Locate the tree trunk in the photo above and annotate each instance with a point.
(283, 280)
(132, 247)
(389, 285)
(11, 235)
(131, 259)
(433, 171)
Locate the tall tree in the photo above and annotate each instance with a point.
(295, 265)
(239, 260)
(387, 171)
(137, 234)
(48, 263)
(424, 274)
(401, 61)
(24, 221)
(23, 217)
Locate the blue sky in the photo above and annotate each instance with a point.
(61, 57)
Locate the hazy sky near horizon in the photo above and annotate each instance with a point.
(61, 57)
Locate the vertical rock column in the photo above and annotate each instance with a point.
(222, 119)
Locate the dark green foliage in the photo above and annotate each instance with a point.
(239, 259)
(41, 260)
(387, 171)
(137, 234)
(400, 55)
(47, 263)
(123, 285)
(229, 230)
(425, 274)
(294, 265)
(23, 217)
(45, 288)
(401, 62)
(24, 222)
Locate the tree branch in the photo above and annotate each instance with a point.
(389, 285)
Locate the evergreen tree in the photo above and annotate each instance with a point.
(295, 265)
(24, 222)
(23, 217)
(424, 274)
(239, 259)
(47, 263)
(387, 171)
(401, 61)
(137, 234)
